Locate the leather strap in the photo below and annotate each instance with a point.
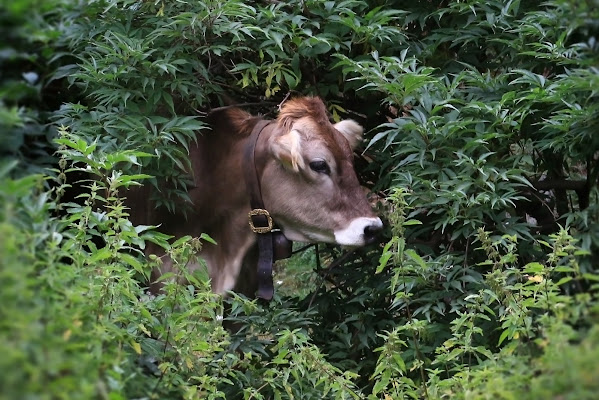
(259, 219)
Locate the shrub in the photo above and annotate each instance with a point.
(481, 149)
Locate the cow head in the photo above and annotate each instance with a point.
(309, 185)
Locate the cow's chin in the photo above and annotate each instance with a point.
(307, 237)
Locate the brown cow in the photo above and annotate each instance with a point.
(305, 169)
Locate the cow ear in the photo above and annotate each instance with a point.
(351, 130)
(287, 149)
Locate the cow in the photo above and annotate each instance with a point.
(304, 168)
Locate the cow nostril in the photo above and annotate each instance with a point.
(370, 232)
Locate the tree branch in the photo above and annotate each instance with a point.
(560, 184)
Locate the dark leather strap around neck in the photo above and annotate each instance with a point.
(259, 219)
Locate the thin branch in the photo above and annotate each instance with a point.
(561, 184)
(284, 100)
(325, 273)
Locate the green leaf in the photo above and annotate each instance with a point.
(415, 257)
(132, 261)
(99, 255)
(207, 238)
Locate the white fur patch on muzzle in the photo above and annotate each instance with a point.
(359, 232)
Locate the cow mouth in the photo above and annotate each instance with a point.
(359, 232)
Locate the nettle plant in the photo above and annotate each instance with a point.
(473, 331)
(483, 155)
(81, 322)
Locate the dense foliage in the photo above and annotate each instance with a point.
(482, 152)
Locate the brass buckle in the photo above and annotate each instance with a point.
(260, 211)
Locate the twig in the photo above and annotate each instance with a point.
(284, 100)
(335, 263)
(306, 247)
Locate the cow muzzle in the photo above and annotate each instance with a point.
(359, 232)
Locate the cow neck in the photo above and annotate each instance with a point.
(259, 219)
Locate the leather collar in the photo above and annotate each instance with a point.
(259, 219)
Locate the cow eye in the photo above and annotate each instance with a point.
(320, 166)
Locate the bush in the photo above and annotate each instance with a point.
(481, 149)
(27, 95)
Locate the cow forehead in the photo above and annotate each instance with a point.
(325, 133)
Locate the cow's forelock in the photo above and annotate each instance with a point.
(295, 109)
